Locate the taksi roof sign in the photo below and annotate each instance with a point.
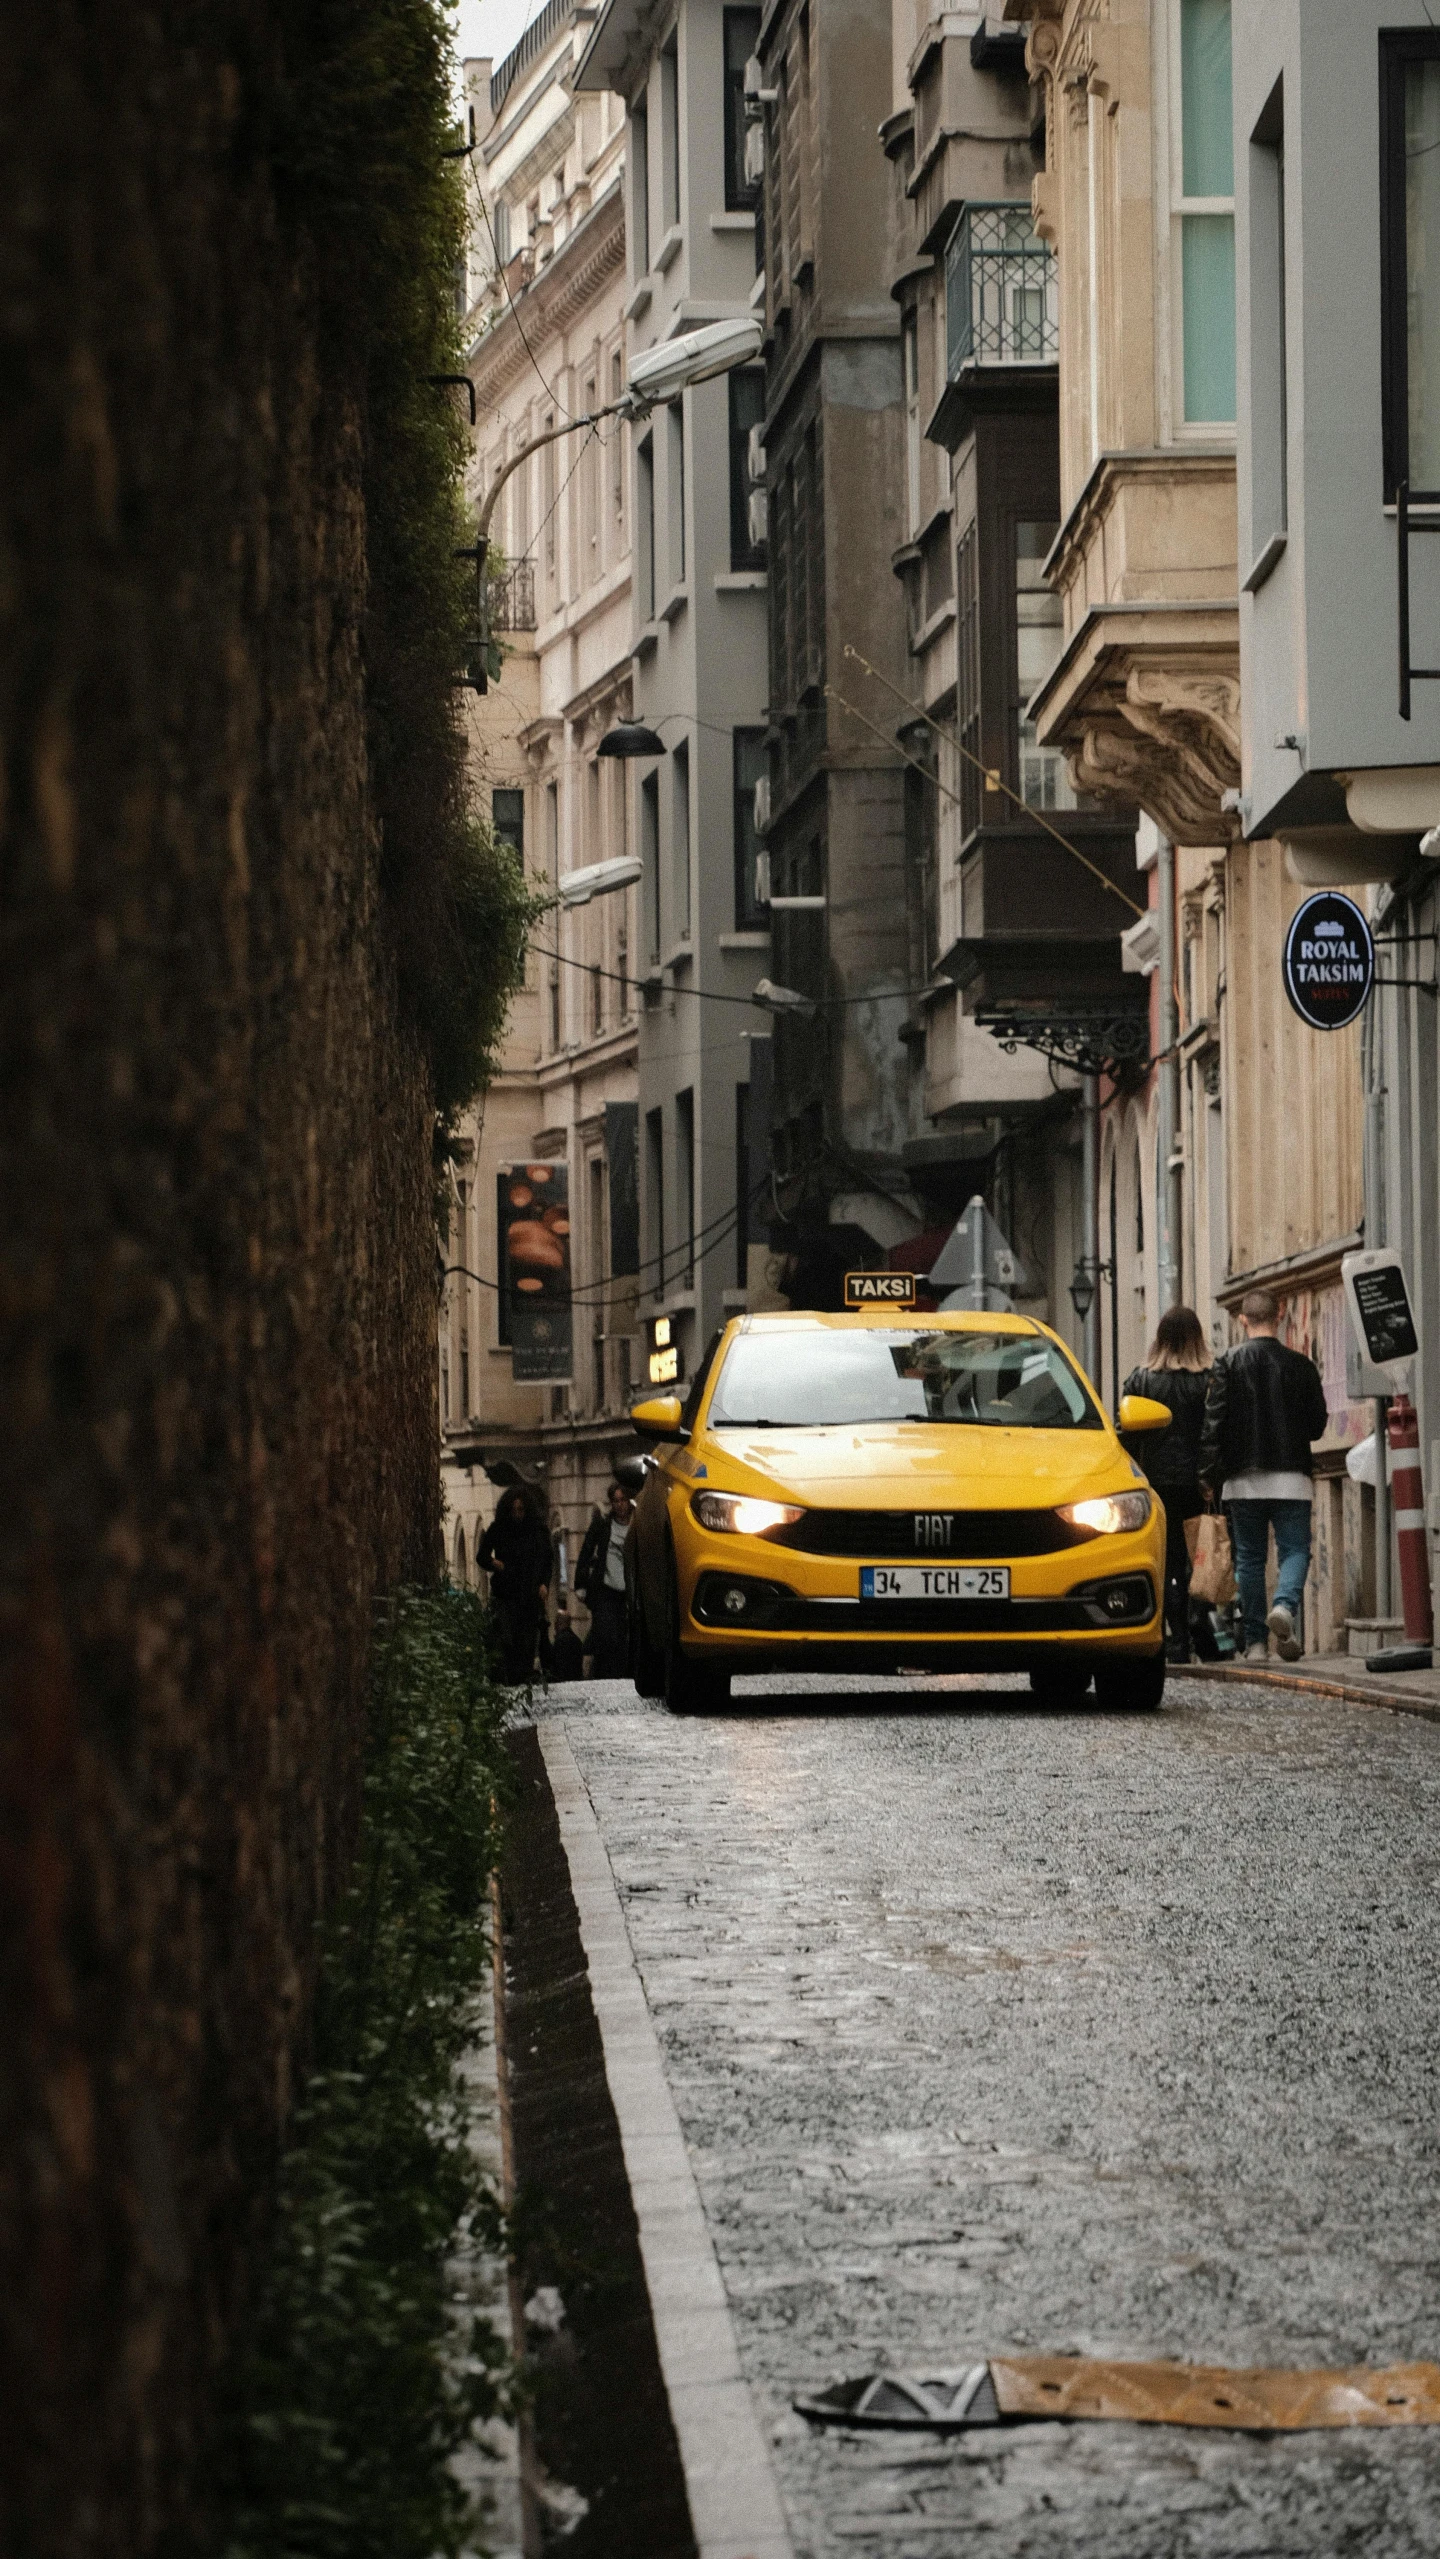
(1329, 961)
(879, 1288)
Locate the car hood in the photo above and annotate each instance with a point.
(900, 1466)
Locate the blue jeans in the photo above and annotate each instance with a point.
(1250, 1526)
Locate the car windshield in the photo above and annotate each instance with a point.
(792, 1378)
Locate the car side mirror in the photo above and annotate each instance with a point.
(657, 1417)
(1142, 1413)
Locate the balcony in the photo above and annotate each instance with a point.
(512, 598)
(1001, 296)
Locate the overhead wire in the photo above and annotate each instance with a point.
(992, 777)
(695, 1249)
(547, 387)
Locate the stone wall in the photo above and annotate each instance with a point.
(217, 1427)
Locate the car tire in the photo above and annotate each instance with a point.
(690, 1688)
(647, 1665)
(1059, 1684)
(1131, 1688)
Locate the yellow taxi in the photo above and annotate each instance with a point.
(878, 1492)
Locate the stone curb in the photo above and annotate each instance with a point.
(734, 2502)
(1399, 1701)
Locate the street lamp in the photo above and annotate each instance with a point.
(661, 373)
(631, 737)
(1082, 1289)
(782, 999)
(578, 887)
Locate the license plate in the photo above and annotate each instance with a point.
(934, 1581)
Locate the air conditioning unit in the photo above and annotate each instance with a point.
(762, 879)
(1140, 947)
(755, 454)
(759, 516)
(754, 152)
(762, 805)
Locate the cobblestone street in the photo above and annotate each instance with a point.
(992, 2028)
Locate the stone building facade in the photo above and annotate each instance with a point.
(547, 284)
(1137, 197)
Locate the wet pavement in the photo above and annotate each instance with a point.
(994, 2028)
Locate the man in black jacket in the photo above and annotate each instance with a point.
(1265, 1407)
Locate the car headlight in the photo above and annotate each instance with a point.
(1110, 1514)
(738, 1511)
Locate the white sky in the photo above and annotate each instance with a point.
(493, 26)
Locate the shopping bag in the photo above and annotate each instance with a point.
(1212, 1575)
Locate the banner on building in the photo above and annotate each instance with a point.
(533, 1226)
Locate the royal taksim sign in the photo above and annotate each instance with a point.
(1329, 962)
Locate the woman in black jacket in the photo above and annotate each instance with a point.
(515, 1552)
(1177, 1373)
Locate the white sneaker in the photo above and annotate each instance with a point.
(1282, 1627)
(1257, 1652)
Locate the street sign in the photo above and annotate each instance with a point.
(1379, 1303)
(977, 1264)
(1329, 961)
(878, 1288)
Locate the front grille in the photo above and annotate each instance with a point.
(770, 1608)
(962, 1536)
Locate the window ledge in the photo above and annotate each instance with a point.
(736, 221)
(758, 940)
(675, 602)
(669, 249)
(639, 300)
(741, 581)
(682, 956)
(647, 640)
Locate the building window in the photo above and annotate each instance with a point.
(670, 135)
(1269, 457)
(645, 528)
(910, 354)
(464, 1379)
(1205, 214)
(617, 449)
(747, 410)
(445, 1390)
(507, 818)
(680, 767)
(1410, 259)
(650, 861)
(655, 1199)
(967, 687)
(590, 491)
(752, 912)
(742, 34)
(675, 492)
(742, 1185)
(685, 1175)
(640, 189)
(1044, 776)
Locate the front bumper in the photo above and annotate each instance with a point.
(756, 1604)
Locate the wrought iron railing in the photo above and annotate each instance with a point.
(512, 598)
(1001, 299)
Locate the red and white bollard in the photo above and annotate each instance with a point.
(1407, 1494)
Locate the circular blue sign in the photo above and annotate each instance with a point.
(1329, 963)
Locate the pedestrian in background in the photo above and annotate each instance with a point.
(567, 1657)
(600, 1580)
(515, 1552)
(1265, 1408)
(1176, 1373)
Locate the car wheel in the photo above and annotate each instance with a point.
(1059, 1684)
(647, 1666)
(1131, 1687)
(690, 1688)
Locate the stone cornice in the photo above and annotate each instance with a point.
(592, 254)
